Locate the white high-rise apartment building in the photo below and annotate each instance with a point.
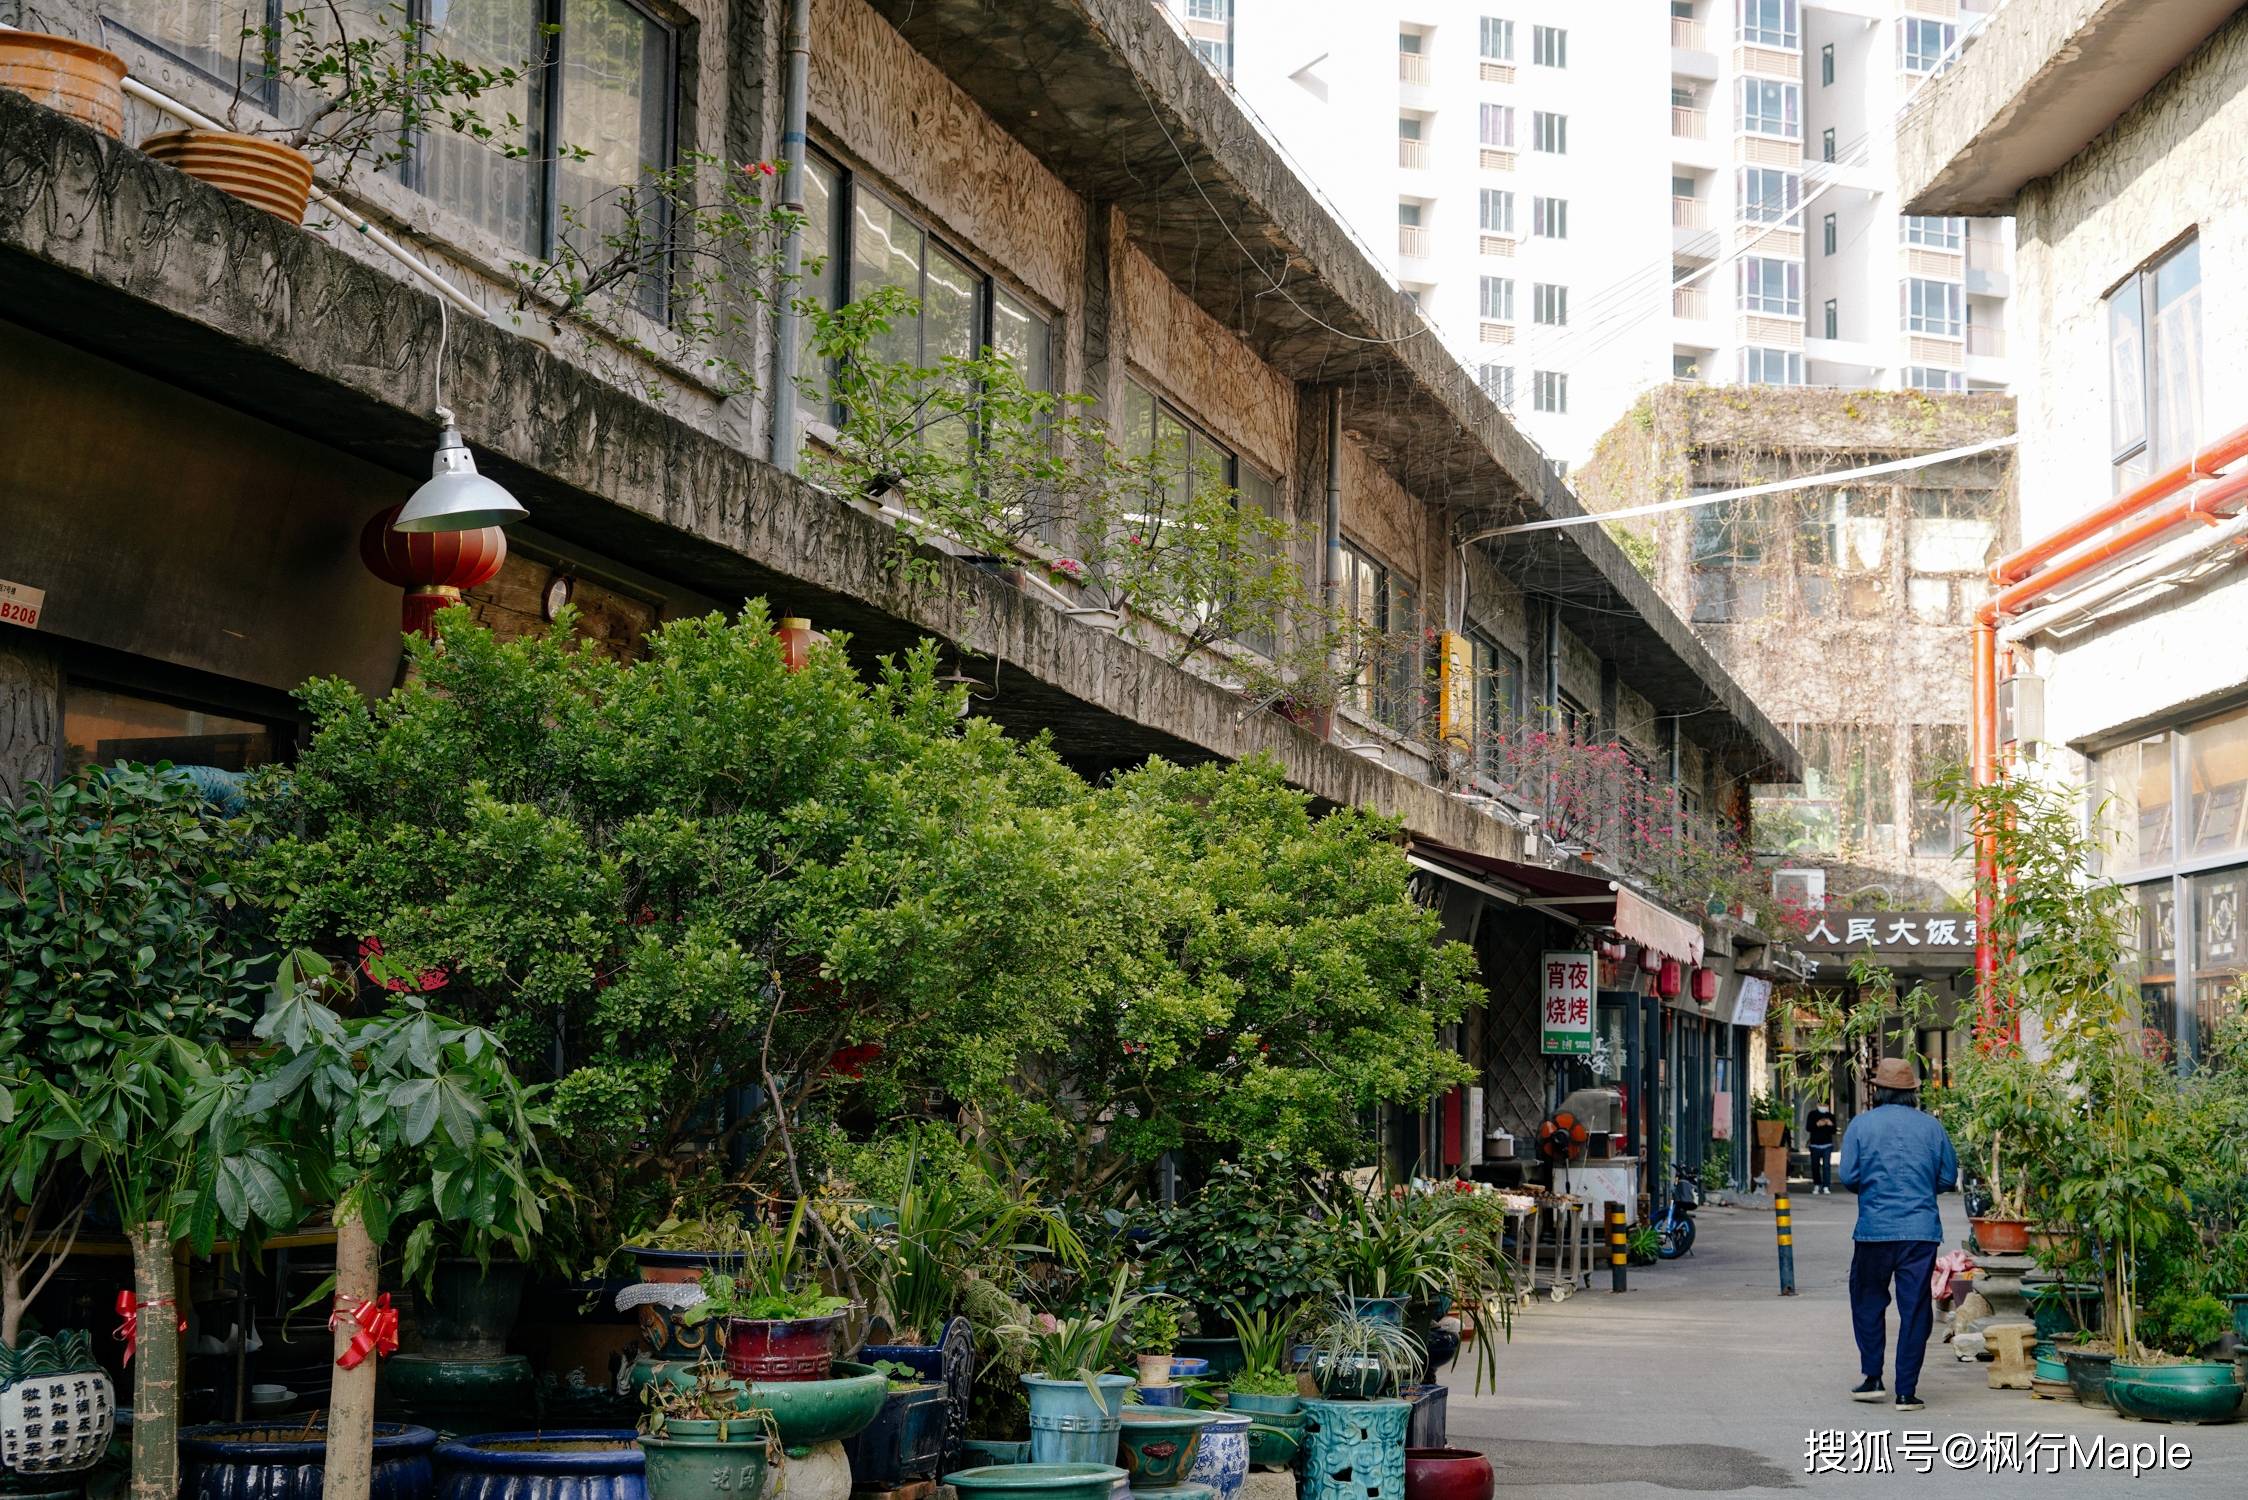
(1593, 198)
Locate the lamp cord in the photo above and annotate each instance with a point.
(444, 332)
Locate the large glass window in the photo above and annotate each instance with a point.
(1549, 390)
(1939, 831)
(1766, 23)
(1771, 366)
(1771, 107)
(1497, 211)
(101, 726)
(2131, 799)
(1922, 44)
(1938, 233)
(1549, 218)
(1842, 553)
(1550, 304)
(1497, 39)
(1549, 47)
(1497, 125)
(2154, 343)
(1383, 603)
(1770, 285)
(1549, 132)
(1951, 538)
(1768, 195)
(1498, 695)
(1498, 298)
(2216, 788)
(1938, 307)
(1731, 582)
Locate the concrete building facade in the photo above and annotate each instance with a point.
(2103, 128)
(1698, 191)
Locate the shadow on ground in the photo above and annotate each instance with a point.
(1703, 1468)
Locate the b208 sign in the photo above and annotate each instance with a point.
(1565, 1013)
(20, 604)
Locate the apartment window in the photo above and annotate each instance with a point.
(101, 726)
(1216, 54)
(1833, 318)
(1549, 47)
(1768, 195)
(1728, 563)
(1771, 366)
(1938, 830)
(1923, 44)
(1549, 218)
(863, 242)
(1408, 127)
(1409, 215)
(1951, 539)
(1496, 211)
(1770, 285)
(1930, 378)
(1826, 66)
(1841, 553)
(1209, 10)
(1498, 125)
(1549, 304)
(1549, 132)
(1826, 144)
(1497, 382)
(1766, 23)
(1771, 107)
(1938, 307)
(1383, 604)
(1685, 366)
(1846, 803)
(1498, 40)
(1498, 299)
(1937, 233)
(1549, 391)
(1829, 233)
(2154, 365)
(1498, 696)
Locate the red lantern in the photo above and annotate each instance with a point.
(1668, 980)
(433, 567)
(1705, 985)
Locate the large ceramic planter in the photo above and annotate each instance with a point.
(1431, 1405)
(2238, 1301)
(2063, 1308)
(2192, 1393)
(1354, 1450)
(2002, 1236)
(2087, 1374)
(951, 1363)
(469, 1309)
(1221, 1460)
(264, 174)
(1224, 1355)
(1348, 1379)
(685, 1467)
(1447, 1474)
(806, 1412)
(458, 1396)
(904, 1442)
(1768, 1136)
(1037, 1481)
(1070, 1424)
(781, 1349)
(1276, 1435)
(1157, 1444)
(56, 1407)
(70, 77)
(288, 1461)
(593, 1463)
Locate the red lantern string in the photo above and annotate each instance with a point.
(129, 1309)
(374, 1328)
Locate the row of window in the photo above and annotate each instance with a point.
(1835, 544)
(1549, 45)
(1549, 132)
(1549, 217)
(1549, 301)
(1549, 389)
(1848, 799)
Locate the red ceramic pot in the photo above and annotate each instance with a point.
(1447, 1474)
(781, 1348)
(2002, 1236)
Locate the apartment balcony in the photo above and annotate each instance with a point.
(1936, 351)
(1412, 68)
(1689, 124)
(1412, 153)
(1495, 159)
(1935, 265)
(1768, 62)
(1690, 54)
(1691, 36)
(1688, 213)
(1491, 331)
(1496, 72)
(1690, 303)
(1767, 151)
(1769, 330)
(1988, 274)
(1412, 241)
(1498, 245)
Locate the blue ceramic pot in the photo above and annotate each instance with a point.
(1184, 1368)
(590, 1464)
(1162, 1395)
(1222, 1461)
(1070, 1424)
(277, 1461)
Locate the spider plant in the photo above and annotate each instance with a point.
(1348, 1346)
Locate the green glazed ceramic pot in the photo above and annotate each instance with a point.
(694, 1468)
(806, 1412)
(1279, 1431)
(1159, 1443)
(2191, 1393)
(2088, 1373)
(1036, 1482)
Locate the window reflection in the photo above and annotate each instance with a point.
(102, 727)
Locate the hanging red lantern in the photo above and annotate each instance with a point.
(1705, 985)
(1669, 979)
(433, 567)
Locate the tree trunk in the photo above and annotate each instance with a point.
(11, 1304)
(156, 1365)
(351, 1403)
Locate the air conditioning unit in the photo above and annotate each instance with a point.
(1806, 888)
(2021, 710)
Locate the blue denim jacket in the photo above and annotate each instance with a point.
(1897, 1159)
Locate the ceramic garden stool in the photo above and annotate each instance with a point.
(1355, 1450)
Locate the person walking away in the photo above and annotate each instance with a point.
(1818, 1134)
(1896, 1159)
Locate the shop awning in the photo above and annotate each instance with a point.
(1588, 900)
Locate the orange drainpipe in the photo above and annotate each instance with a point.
(2021, 578)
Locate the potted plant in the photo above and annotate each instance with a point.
(1248, 1238)
(70, 77)
(699, 1438)
(2164, 1376)
(1358, 1353)
(1074, 1399)
(906, 1440)
(780, 1325)
(1266, 1387)
(1771, 1118)
(1154, 1334)
(1354, 1429)
(365, 96)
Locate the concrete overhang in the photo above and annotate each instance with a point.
(110, 252)
(1117, 105)
(2040, 84)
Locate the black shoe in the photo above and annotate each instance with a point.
(1911, 1403)
(1868, 1389)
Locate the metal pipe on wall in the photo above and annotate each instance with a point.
(1331, 562)
(788, 328)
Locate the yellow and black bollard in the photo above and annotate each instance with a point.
(1616, 1250)
(1787, 1245)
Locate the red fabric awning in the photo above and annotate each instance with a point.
(1589, 900)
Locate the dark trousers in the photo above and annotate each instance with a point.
(1874, 1265)
(1822, 1166)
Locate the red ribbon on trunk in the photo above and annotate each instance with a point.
(129, 1310)
(374, 1329)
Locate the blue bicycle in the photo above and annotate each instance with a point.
(1676, 1226)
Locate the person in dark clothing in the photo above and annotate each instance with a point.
(1896, 1160)
(1818, 1133)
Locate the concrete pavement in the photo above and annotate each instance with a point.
(1702, 1379)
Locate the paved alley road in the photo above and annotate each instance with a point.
(1702, 1379)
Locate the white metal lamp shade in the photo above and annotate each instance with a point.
(456, 497)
